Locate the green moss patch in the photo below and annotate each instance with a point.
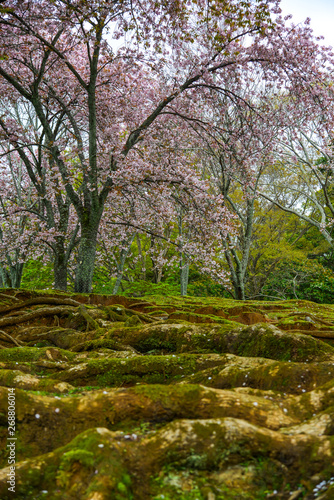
(29, 354)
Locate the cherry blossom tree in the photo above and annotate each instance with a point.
(171, 205)
(17, 231)
(56, 56)
(21, 133)
(243, 140)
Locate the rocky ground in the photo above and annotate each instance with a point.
(166, 398)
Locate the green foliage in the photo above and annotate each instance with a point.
(141, 288)
(102, 283)
(37, 275)
(320, 290)
(202, 287)
(307, 280)
(206, 287)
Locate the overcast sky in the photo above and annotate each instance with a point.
(321, 13)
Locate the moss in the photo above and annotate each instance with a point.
(189, 393)
(260, 373)
(144, 339)
(7, 377)
(68, 472)
(173, 484)
(28, 354)
(91, 345)
(286, 321)
(195, 458)
(258, 340)
(201, 318)
(155, 369)
(262, 340)
(84, 457)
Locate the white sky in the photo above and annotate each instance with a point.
(321, 13)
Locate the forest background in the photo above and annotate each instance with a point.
(165, 147)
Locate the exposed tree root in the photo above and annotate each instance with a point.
(145, 403)
(137, 407)
(101, 343)
(90, 321)
(11, 297)
(117, 313)
(40, 300)
(48, 311)
(16, 342)
(209, 445)
(313, 317)
(319, 334)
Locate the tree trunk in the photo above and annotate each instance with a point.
(3, 277)
(184, 274)
(154, 269)
(120, 267)
(237, 272)
(60, 265)
(86, 259)
(239, 290)
(142, 258)
(159, 275)
(11, 275)
(16, 272)
(118, 282)
(238, 263)
(60, 273)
